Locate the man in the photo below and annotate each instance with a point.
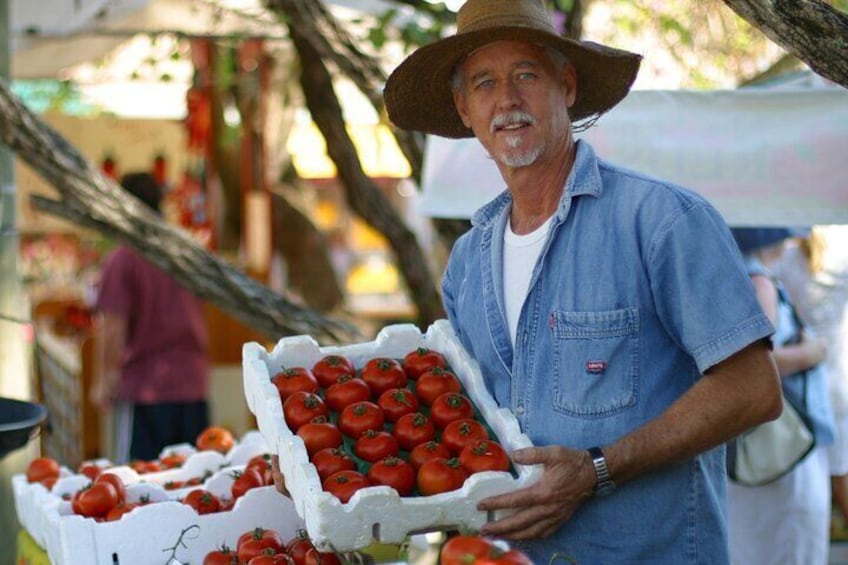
(611, 312)
(153, 349)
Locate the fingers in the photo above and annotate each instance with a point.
(279, 479)
(538, 455)
(530, 523)
(529, 496)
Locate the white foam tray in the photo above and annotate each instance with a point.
(35, 505)
(377, 513)
(165, 528)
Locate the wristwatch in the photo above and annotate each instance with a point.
(605, 485)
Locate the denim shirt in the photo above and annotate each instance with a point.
(638, 290)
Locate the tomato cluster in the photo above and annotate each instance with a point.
(212, 438)
(104, 499)
(262, 546)
(257, 473)
(406, 423)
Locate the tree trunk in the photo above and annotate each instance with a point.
(90, 199)
(310, 272)
(809, 29)
(363, 196)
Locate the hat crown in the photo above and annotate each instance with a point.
(482, 14)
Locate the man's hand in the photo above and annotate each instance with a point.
(279, 479)
(567, 481)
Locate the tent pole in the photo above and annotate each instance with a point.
(14, 364)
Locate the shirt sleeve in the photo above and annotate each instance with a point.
(702, 291)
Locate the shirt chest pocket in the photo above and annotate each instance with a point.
(595, 361)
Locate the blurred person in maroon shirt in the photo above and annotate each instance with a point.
(153, 368)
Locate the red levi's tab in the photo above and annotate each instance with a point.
(596, 367)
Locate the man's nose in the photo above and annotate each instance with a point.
(509, 95)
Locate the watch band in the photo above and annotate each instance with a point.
(604, 484)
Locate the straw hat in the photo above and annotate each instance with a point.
(418, 94)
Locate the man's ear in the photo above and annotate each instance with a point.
(569, 78)
(461, 107)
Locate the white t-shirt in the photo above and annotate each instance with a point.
(520, 255)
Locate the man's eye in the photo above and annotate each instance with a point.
(526, 76)
(485, 84)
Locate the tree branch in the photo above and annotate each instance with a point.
(90, 199)
(364, 198)
(809, 29)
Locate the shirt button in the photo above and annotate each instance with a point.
(519, 410)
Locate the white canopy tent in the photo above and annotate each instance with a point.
(772, 156)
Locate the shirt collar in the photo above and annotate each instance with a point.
(584, 179)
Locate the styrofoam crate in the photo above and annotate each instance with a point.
(32, 500)
(165, 529)
(34, 503)
(378, 513)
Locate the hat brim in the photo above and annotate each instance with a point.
(418, 94)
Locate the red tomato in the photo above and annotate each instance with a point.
(345, 391)
(294, 379)
(42, 468)
(173, 485)
(319, 434)
(301, 407)
(215, 438)
(360, 416)
(396, 402)
(382, 374)
(97, 500)
(115, 481)
(460, 432)
(328, 369)
(262, 464)
(412, 429)
(221, 556)
(393, 472)
(426, 451)
(245, 480)
(75, 507)
(227, 504)
(450, 406)
(90, 470)
(315, 557)
(343, 484)
(118, 511)
(144, 467)
(374, 445)
(172, 460)
(463, 550)
(329, 461)
(49, 482)
(422, 359)
(440, 475)
(484, 455)
(271, 557)
(253, 543)
(203, 501)
(298, 546)
(511, 557)
(434, 383)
